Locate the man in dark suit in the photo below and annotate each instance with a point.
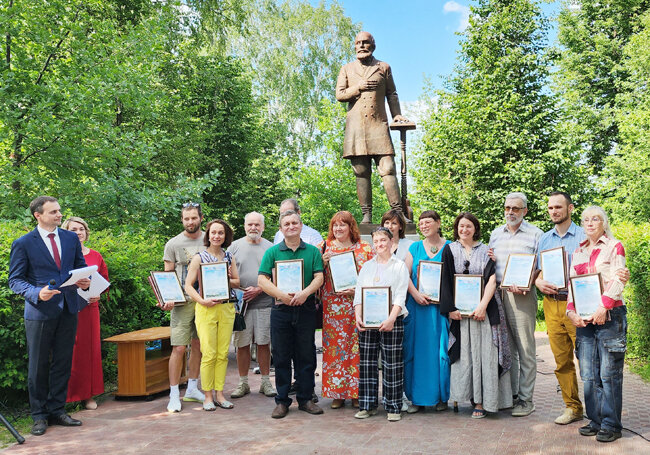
(48, 253)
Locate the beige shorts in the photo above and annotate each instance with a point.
(182, 324)
(258, 327)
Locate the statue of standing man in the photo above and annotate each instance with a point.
(364, 84)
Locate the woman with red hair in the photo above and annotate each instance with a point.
(340, 339)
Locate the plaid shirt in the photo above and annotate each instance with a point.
(606, 257)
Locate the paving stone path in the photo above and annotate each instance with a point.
(145, 427)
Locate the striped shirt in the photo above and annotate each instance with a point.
(505, 243)
(606, 257)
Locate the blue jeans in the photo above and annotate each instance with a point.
(292, 339)
(601, 352)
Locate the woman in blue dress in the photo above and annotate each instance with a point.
(426, 331)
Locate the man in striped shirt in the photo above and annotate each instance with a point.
(518, 236)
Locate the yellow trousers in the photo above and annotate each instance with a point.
(562, 338)
(214, 327)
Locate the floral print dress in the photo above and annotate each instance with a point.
(340, 338)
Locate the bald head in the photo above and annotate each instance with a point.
(364, 45)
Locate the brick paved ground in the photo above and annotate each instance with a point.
(141, 427)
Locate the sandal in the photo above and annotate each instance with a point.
(225, 404)
(209, 407)
(479, 413)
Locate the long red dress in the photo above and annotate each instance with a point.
(340, 340)
(87, 377)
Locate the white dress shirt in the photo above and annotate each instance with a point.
(307, 234)
(44, 235)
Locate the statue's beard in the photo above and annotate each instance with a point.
(363, 54)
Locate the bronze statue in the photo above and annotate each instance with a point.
(364, 84)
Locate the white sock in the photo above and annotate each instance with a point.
(265, 378)
(243, 379)
(191, 384)
(173, 391)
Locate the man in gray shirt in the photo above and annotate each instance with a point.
(178, 253)
(248, 252)
(520, 307)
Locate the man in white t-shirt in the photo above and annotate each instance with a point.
(307, 235)
(179, 251)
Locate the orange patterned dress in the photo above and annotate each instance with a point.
(340, 338)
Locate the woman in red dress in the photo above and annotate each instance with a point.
(87, 377)
(340, 339)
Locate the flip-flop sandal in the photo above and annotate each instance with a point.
(209, 407)
(479, 413)
(225, 404)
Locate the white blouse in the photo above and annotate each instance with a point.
(394, 274)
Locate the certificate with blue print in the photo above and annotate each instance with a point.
(375, 305)
(587, 294)
(168, 287)
(519, 271)
(343, 268)
(214, 281)
(288, 275)
(554, 267)
(429, 274)
(468, 290)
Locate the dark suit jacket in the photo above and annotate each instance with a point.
(31, 266)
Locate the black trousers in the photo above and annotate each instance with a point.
(49, 345)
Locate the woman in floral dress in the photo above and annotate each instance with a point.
(340, 339)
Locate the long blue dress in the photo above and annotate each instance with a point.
(426, 335)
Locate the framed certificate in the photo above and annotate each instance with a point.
(587, 293)
(468, 290)
(343, 268)
(168, 287)
(375, 305)
(288, 275)
(429, 274)
(519, 271)
(554, 266)
(214, 282)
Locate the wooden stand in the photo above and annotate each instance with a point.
(141, 372)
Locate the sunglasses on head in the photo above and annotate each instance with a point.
(191, 204)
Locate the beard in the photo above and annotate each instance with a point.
(192, 229)
(514, 222)
(561, 220)
(363, 54)
(254, 236)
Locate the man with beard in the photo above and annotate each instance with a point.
(518, 236)
(178, 253)
(248, 252)
(365, 85)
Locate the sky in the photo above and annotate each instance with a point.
(418, 38)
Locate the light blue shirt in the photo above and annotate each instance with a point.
(570, 241)
(523, 240)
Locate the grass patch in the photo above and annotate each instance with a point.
(640, 367)
(22, 424)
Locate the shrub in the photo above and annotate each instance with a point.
(130, 304)
(636, 239)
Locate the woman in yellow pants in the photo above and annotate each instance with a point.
(214, 318)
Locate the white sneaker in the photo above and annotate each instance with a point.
(267, 389)
(365, 414)
(194, 395)
(394, 417)
(174, 404)
(405, 403)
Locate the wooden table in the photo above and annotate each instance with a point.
(142, 372)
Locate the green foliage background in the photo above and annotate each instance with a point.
(125, 109)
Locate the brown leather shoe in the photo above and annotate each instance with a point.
(311, 408)
(280, 411)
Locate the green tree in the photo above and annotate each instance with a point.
(627, 173)
(591, 72)
(493, 128)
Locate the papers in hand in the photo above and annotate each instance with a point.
(98, 284)
(79, 274)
